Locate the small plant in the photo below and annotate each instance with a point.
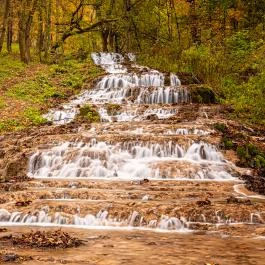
(10, 125)
(73, 81)
(221, 127)
(89, 113)
(34, 91)
(112, 109)
(34, 116)
(250, 155)
(227, 143)
(2, 103)
(9, 66)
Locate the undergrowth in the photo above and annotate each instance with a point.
(23, 103)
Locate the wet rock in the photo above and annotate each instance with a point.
(202, 94)
(14, 258)
(23, 203)
(2, 201)
(188, 78)
(9, 257)
(17, 167)
(140, 182)
(167, 79)
(49, 239)
(152, 117)
(203, 203)
(145, 180)
(234, 200)
(74, 185)
(2, 154)
(256, 182)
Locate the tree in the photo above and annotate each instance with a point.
(26, 13)
(4, 23)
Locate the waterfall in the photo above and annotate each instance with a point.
(128, 160)
(122, 87)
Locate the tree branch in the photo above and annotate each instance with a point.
(78, 31)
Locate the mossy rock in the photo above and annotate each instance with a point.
(113, 109)
(89, 113)
(202, 94)
(221, 127)
(188, 78)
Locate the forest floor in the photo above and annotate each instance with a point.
(26, 92)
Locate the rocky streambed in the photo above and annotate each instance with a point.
(150, 183)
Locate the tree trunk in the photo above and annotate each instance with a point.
(4, 24)
(40, 31)
(9, 33)
(195, 31)
(47, 43)
(25, 22)
(105, 35)
(176, 21)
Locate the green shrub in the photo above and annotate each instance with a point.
(10, 125)
(227, 143)
(89, 113)
(220, 127)
(33, 115)
(251, 156)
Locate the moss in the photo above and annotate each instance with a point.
(227, 143)
(221, 127)
(2, 103)
(10, 125)
(251, 156)
(112, 109)
(89, 113)
(34, 117)
(202, 94)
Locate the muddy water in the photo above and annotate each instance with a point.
(137, 247)
(142, 186)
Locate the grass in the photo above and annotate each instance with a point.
(2, 103)
(34, 116)
(10, 125)
(38, 90)
(9, 66)
(24, 101)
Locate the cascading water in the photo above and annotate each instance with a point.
(128, 160)
(155, 149)
(101, 219)
(121, 87)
